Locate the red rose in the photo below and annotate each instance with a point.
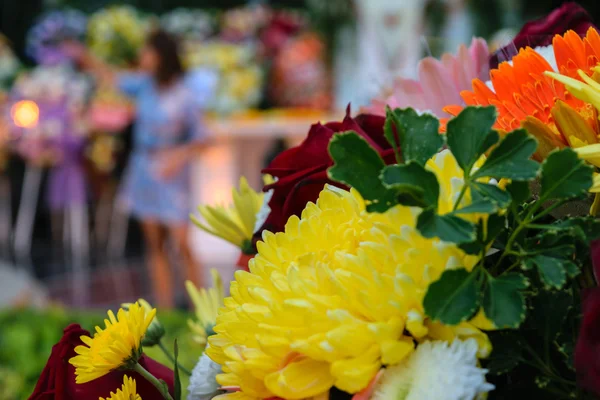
(57, 381)
(302, 170)
(587, 350)
(569, 16)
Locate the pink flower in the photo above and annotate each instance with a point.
(440, 81)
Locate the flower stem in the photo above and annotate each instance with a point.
(172, 359)
(161, 387)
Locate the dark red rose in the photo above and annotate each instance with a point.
(569, 16)
(57, 381)
(302, 170)
(587, 350)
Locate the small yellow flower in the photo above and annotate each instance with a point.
(117, 345)
(155, 331)
(127, 392)
(234, 224)
(206, 303)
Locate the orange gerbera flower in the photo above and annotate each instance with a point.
(526, 98)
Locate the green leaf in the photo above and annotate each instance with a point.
(358, 165)
(491, 192)
(177, 379)
(470, 134)
(551, 310)
(510, 159)
(414, 185)
(503, 300)
(419, 134)
(448, 227)
(506, 353)
(571, 268)
(453, 298)
(587, 228)
(564, 176)
(551, 270)
(481, 206)
(519, 191)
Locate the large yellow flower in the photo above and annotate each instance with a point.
(127, 392)
(206, 303)
(234, 224)
(117, 345)
(335, 297)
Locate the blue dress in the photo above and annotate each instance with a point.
(164, 119)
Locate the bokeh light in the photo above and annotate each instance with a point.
(25, 114)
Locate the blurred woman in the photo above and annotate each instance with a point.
(168, 133)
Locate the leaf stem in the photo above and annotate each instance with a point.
(161, 387)
(463, 191)
(172, 359)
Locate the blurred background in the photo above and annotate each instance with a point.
(68, 250)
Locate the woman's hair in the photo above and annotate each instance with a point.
(167, 48)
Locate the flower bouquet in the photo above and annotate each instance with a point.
(240, 75)
(115, 34)
(188, 24)
(405, 256)
(44, 39)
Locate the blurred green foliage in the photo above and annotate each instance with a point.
(27, 337)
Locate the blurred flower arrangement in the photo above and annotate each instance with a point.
(189, 24)
(51, 29)
(241, 76)
(9, 65)
(57, 122)
(115, 34)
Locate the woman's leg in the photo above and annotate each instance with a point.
(179, 236)
(160, 273)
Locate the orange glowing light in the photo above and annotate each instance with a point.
(25, 114)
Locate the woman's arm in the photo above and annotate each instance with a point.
(102, 71)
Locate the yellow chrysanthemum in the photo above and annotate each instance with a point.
(117, 345)
(236, 223)
(127, 392)
(206, 303)
(335, 297)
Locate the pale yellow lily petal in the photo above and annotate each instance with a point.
(590, 153)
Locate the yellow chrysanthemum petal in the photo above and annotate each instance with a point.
(206, 304)
(236, 223)
(127, 392)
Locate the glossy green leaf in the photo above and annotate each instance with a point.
(470, 135)
(418, 134)
(413, 184)
(511, 158)
(551, 270)
(564, 176)
(358, 165)
(448, 227)
(453, 298)
(503, 300)
(492, 193)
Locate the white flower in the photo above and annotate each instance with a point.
(265, 210)
(203, 383)
(436, 370)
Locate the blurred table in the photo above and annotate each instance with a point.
(240, 144)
